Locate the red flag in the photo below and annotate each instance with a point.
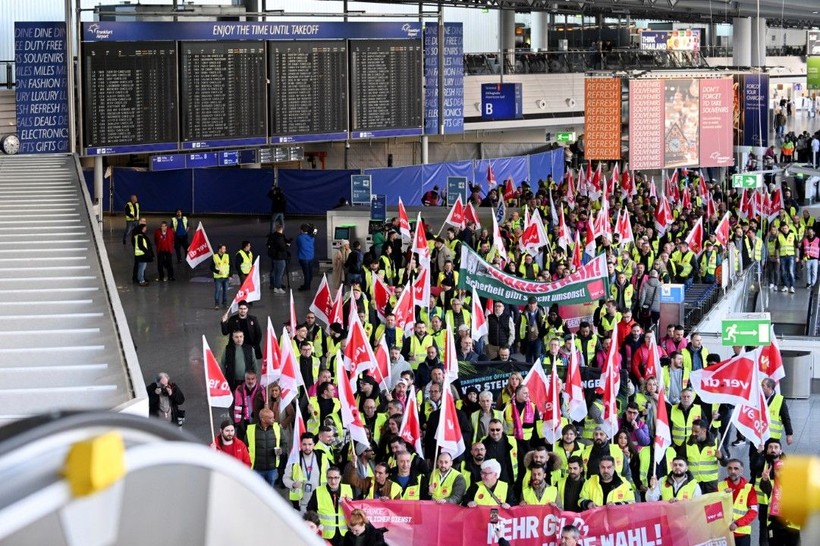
(552, 408)
(577, 253)
(420, 243)
(574, 387)
(722, 230)
(381, 296)
(751, 418)
(589, 237)
(491, 182)
(570, 196)
(702, 186)
(218, 391)
(337, 315)
(711, 209)
(381, 371)
(251, 289)
(421, 286)
(322, 304)
(729, 382)
(663, 432)
(536, 380)
(292, 318)
(448, 434)
(480, 327)
(358, 355)
(770, 362)
(776, 204)
(200, 248)
(299, 428)
(351, 418)
(450, 359)
(291, 376)
(534, 236)
(653, 191)
(564, 239)
(695, 237)
(470, 215)
(509, 189)
(404, 222)
(611, 375)
(456, 216)
(410, 429)
(686, 201)
(746, 209)
(653, 363)
(405, 310)
(623, 228)
(271, 367)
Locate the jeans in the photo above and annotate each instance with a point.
(129, 229)
(141, 271)
(771, 273)
(787, 271)
(307, 271)
(277, 273)
(181, 247)
(811, 272)
(535, 349)
(268, 475)
(221, 291)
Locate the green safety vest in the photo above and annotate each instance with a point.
(251, 432)
(739, 507)
(484, 498)
(223, 266)
(592, 491)
(138, 251)
(247, 262)
(703, 463)
(298, 476)
(132, 212)
(528, 495)
(174, 223)
(776, 429)
(786, 245)
(682, 429)
(686, 491)
(332, 518)
(443, 488)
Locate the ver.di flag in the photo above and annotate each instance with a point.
(351, 418)
(218, 390)
(251, 289)
(322, 304)
(448, 434)
(410, 428)
(271, 368)
(728, 382)
(200, 248)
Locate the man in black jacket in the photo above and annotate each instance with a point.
(278, 252)
(238, 359)
(278, 206)
(501, 332)
(246, 322)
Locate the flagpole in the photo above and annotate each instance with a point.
(207, 386)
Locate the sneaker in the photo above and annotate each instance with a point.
(216, 307)
(791, 290)
(143, 283)
(737, 443)
(279, 290)
(784, 289)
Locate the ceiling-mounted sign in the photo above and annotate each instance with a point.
(671, 40)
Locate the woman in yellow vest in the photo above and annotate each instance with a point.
(508, 392)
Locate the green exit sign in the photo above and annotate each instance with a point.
(752, 329)
(565, 137)
(747, 181)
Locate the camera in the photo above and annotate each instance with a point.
(310, 229)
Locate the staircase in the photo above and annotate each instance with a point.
(64, 341)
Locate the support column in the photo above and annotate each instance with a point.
(425, 150)
(758, 41)
(742, 41)
(507, 39)
(539, 26)
(97, 198)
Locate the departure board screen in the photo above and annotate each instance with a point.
(308, 90)
(223, 93)
(130, 96)
(386, 87)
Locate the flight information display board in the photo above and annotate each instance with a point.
(308, 91)
(130, 97)
(223, 93)
(386, 88)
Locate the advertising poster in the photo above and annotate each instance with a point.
(813, 73)
(602, 108)
(716, 108)
(681, 122)
(755, 109)
(453, 51)
(701, 521)
(813, 43)
(646, 124)
(670, 40)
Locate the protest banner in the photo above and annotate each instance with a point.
(699, 522)
(588, 284)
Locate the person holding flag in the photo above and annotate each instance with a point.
(247, 323)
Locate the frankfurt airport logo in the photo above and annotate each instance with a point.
(98, 33)
(411, 31)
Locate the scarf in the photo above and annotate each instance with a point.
(518, 424)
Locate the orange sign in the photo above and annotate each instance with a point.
(602, 134)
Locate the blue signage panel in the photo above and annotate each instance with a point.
(256, 30)
(382, 133)
(453, 84)
(326, 137)
(755, 111)
(40, 56)
(501, 101)
(167, 162)
(201, 160)
(360, 189)
(456, 185)
(378, 208)
(672, 293)
(247, 157)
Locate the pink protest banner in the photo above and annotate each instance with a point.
(702, 521)
(716, 108)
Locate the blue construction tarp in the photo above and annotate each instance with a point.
(314, 192)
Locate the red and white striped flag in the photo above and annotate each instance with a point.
(770, 361)
(695, 237)
(358, 355)
(405, 310)
(450, 358)
(536, 381)
(470, 215)
(337, 315)
(552, 409)
(420, 246)
(381, 296)
(722, 230)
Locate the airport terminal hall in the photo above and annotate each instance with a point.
(410, 272)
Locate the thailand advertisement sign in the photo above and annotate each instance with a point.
(602, 108)
(646, 124)
(588, 284)
(453, 85)
(670, 40)
(716, 123)
(813, 73)
(754, 112)
(681, 122)
(41, 93)
(697, 522)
